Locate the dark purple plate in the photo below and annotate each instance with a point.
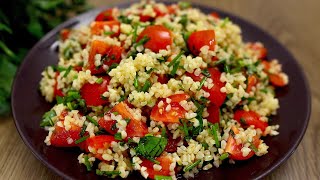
(28, 106)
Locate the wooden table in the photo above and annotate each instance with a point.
(294, 23)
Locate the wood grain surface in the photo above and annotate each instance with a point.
(294, 23)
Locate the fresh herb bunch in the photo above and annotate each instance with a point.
(22, 24)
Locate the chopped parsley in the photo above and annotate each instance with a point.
(99, 80)
(87, 163)
(191, 166)
(224, 156)
(80, 140)
(93, 121)
(47, 118)
(107, 173)
(151, 146)
(118, 136)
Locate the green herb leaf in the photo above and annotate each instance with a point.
(118, 136)
(215, 129)
(93, 121)
(136, 83)
(253, 147)
(184, 5)
(124, 19)
(108, 33)
(151, 146)
(78, 141)
(99, 80)
(158, 177)
(107, 173)
(191, 166)
(146, 86)
(113, 65)
(224, 156)
(175, 59)
(184, 20)
(47, 118)
(67, 71)
(203, 80)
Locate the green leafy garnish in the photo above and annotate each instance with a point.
(253, 147)
(215, 129)
(87, 163)
(47, 118)
(203, 80)
(124, 19)
(108, 33)
(146, 86)
(99, 80)
(107, 173)
(113, 65)
(78, 141)
(158, 177)
(151, 146)
(118, 136)
(191, 166)
(67, 71)
(184, 20)
(93, 121)
(224, 156)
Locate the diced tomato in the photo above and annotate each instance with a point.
(159, 37)
(266, 65)
(215, 14)
(170, 114)
(97, 27)
(172, 9)
(108, 125)
(172, 143)
(247, 118)
(91, 93)
(162, 78)
(165, 162)
(199, 39)
(214, 58)
(56, 91)
(158, 12)
(252, 81)
(135, 128)
(98, 142)
(110, 54)
(234, 150)
(259, 49)
(214, 113)
(277, 80)
(106, 15)
(64, 34)
(77, 68)
(65, 138)
(145, 18)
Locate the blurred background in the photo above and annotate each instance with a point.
(23, 22)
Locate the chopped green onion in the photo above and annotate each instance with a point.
(184, 5)
(186, 36)
(122, 98)
(206, 73)
(205, 145)
(107, 173)
(99, 80)
(184, 20)
(203, 80)
(108, 33)
(124, 19)
(177, 58)
(243, 121)
(215, 129)
(83, 130)
(158, 177)
(67, 71)
(93, 121)
(82, 139)
(136, 83)
(226, 68)
(253, 147)
(221, 61)
(115, 113)
(225, 21)
(142, 41)
(61, 68)
(175, 68)
(47, 118)
(184, 128)
(113, 65)
(59, 99)
(224, 156)
(146, 86)
(87, 163)
(167, 25)
(264, 91)
(118, 136)
(191, 166)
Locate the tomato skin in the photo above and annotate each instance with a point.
(105, 15)
(111, 52)
(108, 125)
(163, 79)
(277, 80)
(56, 91)
(259, 49)
(159, 37)
(97, 27)
(172, 143)
(215, 14)
(214, 113)
(135, 128)
(91, 93)
(198, 39)
(234, 149)
(165, 162)
(252, 81)
(60, 136)
(98, 142)
(64, 34)
(174, 114)
(250, 118)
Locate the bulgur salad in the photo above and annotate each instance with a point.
(162, 90)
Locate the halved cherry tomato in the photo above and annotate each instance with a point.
(165, 162)
(97, 27)
(56, 91)
(234, 149)
(277, 80)
(105, 15)
(91, 93)
(174, 113)
(172, 143)
(61, 137)
(259, 49)
(110, 54)
(215, 14)
(159, 37)
(252, 81)
(199, 39)
(135, 128)
(247, 118)
(98, 142)
(214, 113)
(64, 34)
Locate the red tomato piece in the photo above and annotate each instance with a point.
(175, 112)
(135, 128)
(252, 81)
(162, 78)
(98, 142)
(172, 143)
(277, 80)
(159, 37)
(108, 125)
(199, 39)
(110, 54)
(105, 15)
(214, 113)
(234, 150)
(215, 14)
(56, 91)
(165, 162)
(60, 136)
(247, 118)
(97, 27)
(64, 34)
(172, 9)
(91, 93)
(259, 49)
